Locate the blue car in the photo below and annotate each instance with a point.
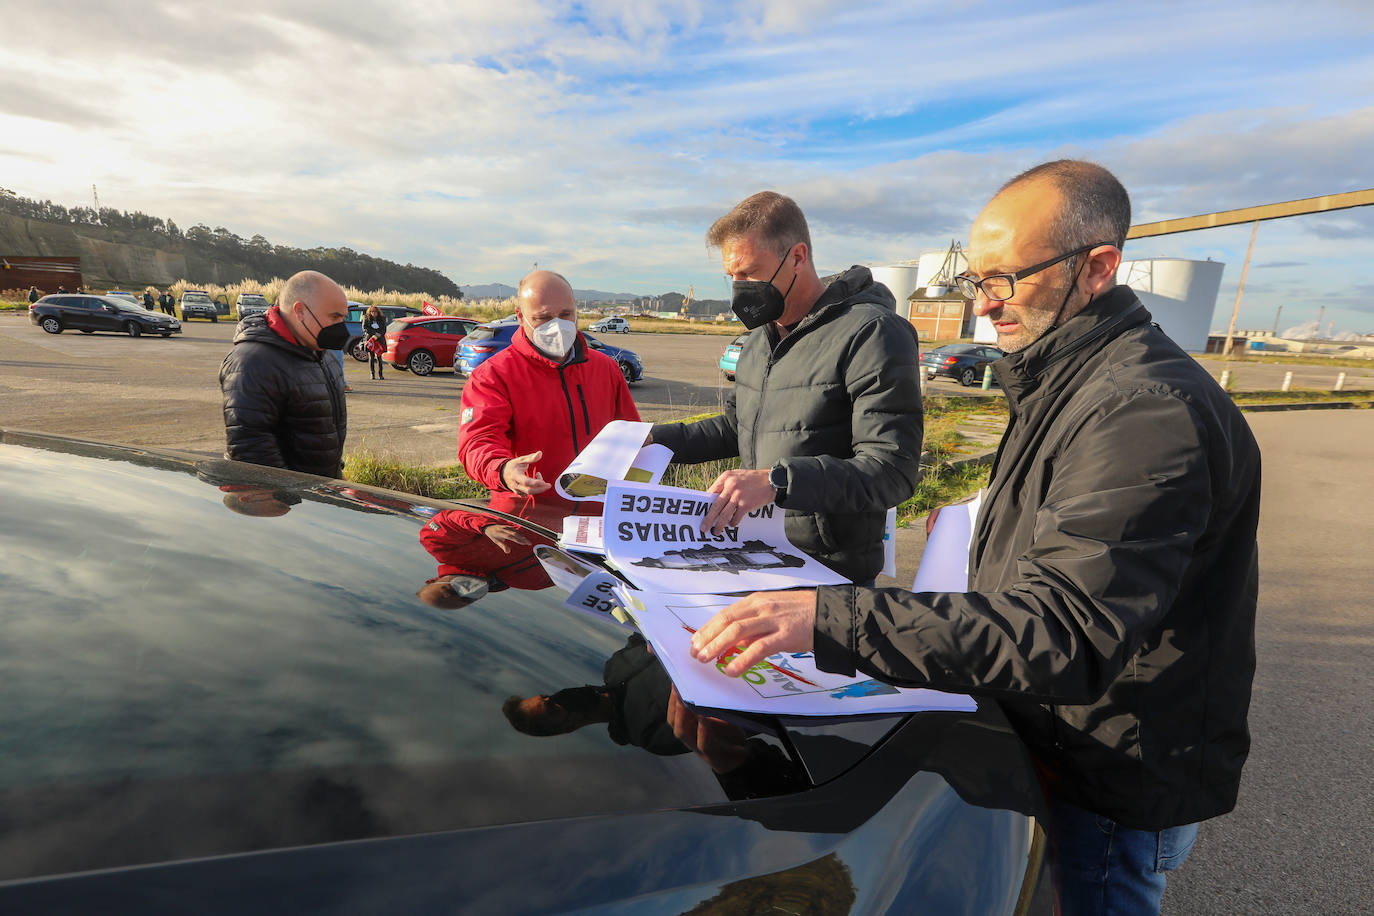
(491, 338)
(730, 358)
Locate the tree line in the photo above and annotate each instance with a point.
(257, 254)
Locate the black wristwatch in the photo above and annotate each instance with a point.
(777, 479)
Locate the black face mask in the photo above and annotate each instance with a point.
(329, 337)
(758, 302)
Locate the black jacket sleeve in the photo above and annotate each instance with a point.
(882, 380)
(702, 440)
(1114, 540)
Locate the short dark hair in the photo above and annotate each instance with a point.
(1096, 207)
(773, 218)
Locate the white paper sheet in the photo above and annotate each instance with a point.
(583, 533)
(944, 565)
(653, 535)
(617, 452)
(785, 684)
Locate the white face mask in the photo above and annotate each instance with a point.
(555, 337)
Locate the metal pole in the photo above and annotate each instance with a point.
(1235, 310)
(1276, 321)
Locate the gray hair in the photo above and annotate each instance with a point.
(773, 218)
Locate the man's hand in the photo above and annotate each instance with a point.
(741, 492)
(514, 475)
(504, 536)
(764, 624)
(931, 519)
(716, 741)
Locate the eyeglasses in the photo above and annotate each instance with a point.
(1000, 287)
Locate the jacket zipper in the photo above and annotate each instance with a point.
(586, 419)
(572, 415)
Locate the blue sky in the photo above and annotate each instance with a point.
(601, 138)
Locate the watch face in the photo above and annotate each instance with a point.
(777, 477)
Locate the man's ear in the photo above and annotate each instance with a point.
(1100, 272)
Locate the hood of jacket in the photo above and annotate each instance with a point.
(256, 329)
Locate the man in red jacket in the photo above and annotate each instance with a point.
(528, 410)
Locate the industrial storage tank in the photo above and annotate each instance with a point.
(1180, 294)
(901, 278)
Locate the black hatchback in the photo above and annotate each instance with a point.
(963, 362)
(88, 314)
(236, 689)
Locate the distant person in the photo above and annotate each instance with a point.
(34, 294)
(148, 300)
(168, 302)
(63, 289)
(283, 397)
(825, 415)
(530, 409)
(374, 333)
(1113, 570)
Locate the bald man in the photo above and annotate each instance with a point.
(1113, 572)
(283, 397)
(530, 409)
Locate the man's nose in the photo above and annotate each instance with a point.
(982, 304)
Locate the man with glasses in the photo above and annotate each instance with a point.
(1113, 567)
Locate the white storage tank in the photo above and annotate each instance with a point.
(932, 261)
(1180, 294)
(902, 279)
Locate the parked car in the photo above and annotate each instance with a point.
(421, 342)
(356, 342)
(486, 340)
(729, 359)
(963, 362)
(250, 304)
(612, 325)
(196, 303)
(247, 724)
(88, 314)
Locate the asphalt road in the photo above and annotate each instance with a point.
(1299, 839)
(152, 391)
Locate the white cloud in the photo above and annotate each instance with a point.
(605, 136)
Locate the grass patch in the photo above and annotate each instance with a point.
(374, 470)
(942, 485)
(1291, 359)
(1301, 396)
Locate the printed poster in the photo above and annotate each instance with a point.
(653, 535)
(617, 452)
(783, 684)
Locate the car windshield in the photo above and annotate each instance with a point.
(126, 306)
(195, 297)
(958, 348)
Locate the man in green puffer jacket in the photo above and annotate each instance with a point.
(826, 412)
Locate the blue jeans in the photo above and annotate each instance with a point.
(1111, 870)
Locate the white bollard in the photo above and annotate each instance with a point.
(1340, 382)
(1287, 381)
(1225, 380)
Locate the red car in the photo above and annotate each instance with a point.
(421, 342)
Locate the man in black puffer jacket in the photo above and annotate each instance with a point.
(283, 399)
(826, 413)
(1113, 570)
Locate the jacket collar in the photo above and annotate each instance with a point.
(527, 349)
(1041, 367)
(856, 285)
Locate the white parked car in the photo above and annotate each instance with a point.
(614, 324)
